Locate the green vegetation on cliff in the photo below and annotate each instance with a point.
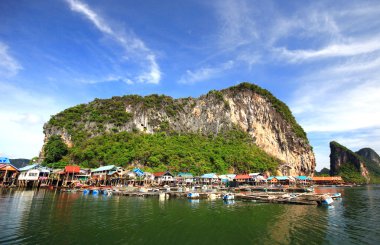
(108, 131)
(277, 104)
(351, 175)
(55, 150)
(231, 150)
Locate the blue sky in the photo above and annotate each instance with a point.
(320, 57)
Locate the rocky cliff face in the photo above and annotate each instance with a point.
(341, 157)
(246, 106)
(370, 155)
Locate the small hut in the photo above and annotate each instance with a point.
(8, 172)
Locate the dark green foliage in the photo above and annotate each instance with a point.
(60, 164)
(185, 152)
(54, 149)
(277, 104)
(323, 172)
(350, 174)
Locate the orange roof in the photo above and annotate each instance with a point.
(8, 167)
(158, 174)
(327, 178)
(72, 169)
(242, 176)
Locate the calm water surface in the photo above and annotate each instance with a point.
(49, 217)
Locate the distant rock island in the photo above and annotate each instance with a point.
(20, 162)
(241, 128)
(362, 166)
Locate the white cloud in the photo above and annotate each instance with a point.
(205, 73)
(236, 25)
(334, 50)
(9, 66)
(23, 115)
(133, 46)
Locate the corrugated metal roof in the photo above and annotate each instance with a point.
(327, 178)
(8, 167)
(72, 169)
(210, 176)
(138, 171)
(158, 174)
(187, 175)
(104, 168)
(242, 176)
(29, 167)
(302, 177)
(282, 177)
(4, 160)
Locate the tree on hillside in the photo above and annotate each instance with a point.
(323, 172)
(55, 149)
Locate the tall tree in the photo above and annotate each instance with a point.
(55, 149)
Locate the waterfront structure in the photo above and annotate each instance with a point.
(8, 172)
(210, 178)
(107, 174)
(163, 177)
(33, 175)
(303, 180)
(282, 180)
(185, 178)
(327, 180)
(243, 179)
(69, 175)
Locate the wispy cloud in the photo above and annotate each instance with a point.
(133, 46)
(334, 50)
(205, 73)
(9, 66)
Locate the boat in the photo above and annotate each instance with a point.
(107, 192)
(336, 195)
(95, 192)
(229, 196)
(327, 200)
(86, 191)
(193, 195)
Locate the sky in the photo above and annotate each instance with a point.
(322, 58)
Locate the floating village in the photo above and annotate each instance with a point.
(114, 180)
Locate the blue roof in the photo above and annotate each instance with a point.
(303, 177)
(4, 160)
(104, 168)
(209, 176)
(29, 167)
(138, 172)
(282, 177)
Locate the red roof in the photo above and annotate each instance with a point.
(242, 176)
(72, 169)
(158, 174)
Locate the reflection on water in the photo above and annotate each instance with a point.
(31, 217)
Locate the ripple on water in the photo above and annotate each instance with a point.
(30, 218)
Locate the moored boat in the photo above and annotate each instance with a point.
(336, 195)
(229, 196)
(327, 200)
(193, 195)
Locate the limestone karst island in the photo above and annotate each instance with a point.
(189, 122)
